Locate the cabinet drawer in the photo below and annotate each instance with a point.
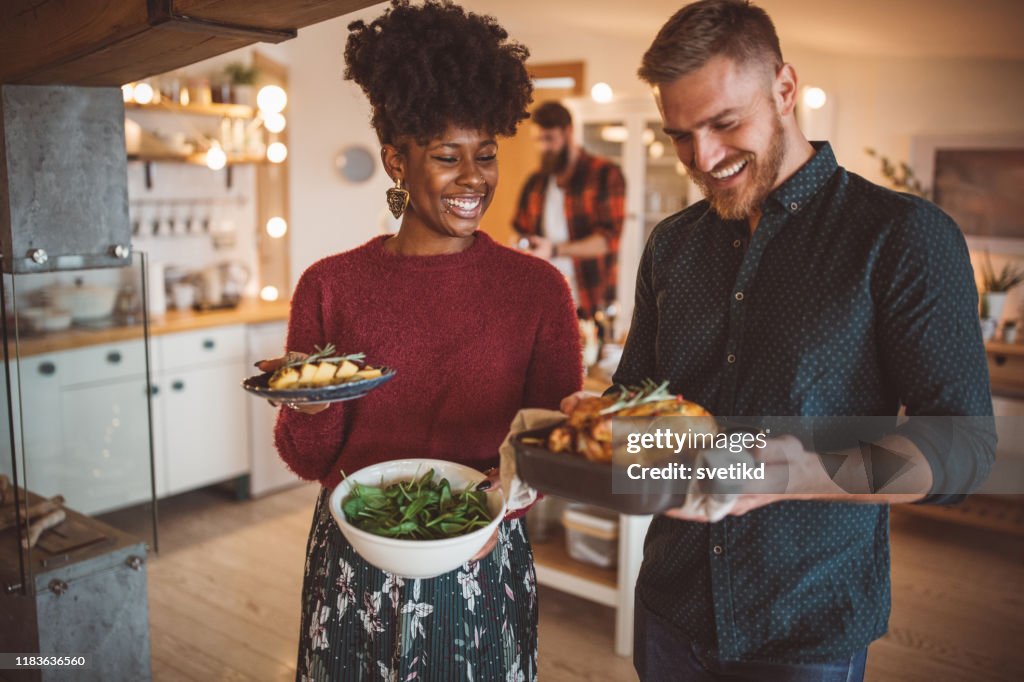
(1006, 372)
(103, 362)
(216, 345)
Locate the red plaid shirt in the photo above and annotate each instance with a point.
(595, 199)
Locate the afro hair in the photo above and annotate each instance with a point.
(430, 66)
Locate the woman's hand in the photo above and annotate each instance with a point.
(272, 365)
(492, 481)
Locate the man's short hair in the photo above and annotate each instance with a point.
(551, 115)
(711, 28)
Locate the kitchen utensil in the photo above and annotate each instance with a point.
(416, 558)
(335, 393)
(41, 320)
(84, 301)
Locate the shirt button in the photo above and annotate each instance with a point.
(736, 244)
(730, 358)
(794, 206)
(739, 295)
(717, 549)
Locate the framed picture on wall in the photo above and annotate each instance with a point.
(979, 181)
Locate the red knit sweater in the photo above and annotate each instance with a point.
(473, 337)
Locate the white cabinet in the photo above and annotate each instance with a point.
(200, 433)
(267, 470)
(82, 425)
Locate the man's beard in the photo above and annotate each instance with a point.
(553, 163)
(740, 202)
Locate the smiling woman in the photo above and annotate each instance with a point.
(475, 332)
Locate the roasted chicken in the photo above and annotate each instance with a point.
(588, 430)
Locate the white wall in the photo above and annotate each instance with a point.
(326, 114)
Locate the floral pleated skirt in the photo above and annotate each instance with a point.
(477, 623)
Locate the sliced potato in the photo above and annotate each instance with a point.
(345, 370)
(308, 371)
(368, 373)
(286, 377)
(324, 373)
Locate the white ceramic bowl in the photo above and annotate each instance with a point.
(416, 558)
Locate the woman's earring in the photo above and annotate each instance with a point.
(398, 199)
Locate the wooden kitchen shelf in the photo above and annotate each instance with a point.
(198, 159)
(1003, 513)
(214, 109)
(559, 570)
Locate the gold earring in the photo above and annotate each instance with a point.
(398, 199)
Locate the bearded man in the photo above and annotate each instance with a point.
(571, 210)
(796, 288)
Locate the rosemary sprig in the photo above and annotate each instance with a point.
(648, 392)
(325, 354)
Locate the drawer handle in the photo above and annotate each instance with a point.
(208, 344)
(1000, 360)
(178, 385)
(154, 390)
(47, 368)
(113, 357)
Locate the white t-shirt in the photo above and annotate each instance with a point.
(556, 229)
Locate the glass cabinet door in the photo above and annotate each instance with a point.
(667, 189)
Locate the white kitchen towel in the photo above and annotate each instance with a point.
(701, 497)
(518, 495)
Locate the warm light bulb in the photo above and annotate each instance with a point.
(648, 136)
(271, 99)
(143, 93)
(216, 158)
(274, 122)
(269, 293)
(601, 92)
(277, 227)
(128, 91)
(277, 152)
(656, 150)
(814, 98)
(614, 133)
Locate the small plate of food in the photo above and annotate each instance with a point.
(322, 377)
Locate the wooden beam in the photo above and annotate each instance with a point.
(112, 42)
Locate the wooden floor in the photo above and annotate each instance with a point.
(224, 600)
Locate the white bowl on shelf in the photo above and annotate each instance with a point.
(416, 558)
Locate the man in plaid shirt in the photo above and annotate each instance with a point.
(571, 210)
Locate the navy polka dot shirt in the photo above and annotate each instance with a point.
(848, 299)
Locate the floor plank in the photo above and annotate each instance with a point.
(225, 590)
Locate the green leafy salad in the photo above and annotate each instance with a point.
(419, 509)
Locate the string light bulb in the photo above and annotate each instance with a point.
(271, 99)
(277, 227)
(277, 152)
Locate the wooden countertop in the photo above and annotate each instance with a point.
(249, 311)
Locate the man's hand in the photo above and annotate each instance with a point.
(541, 247)
(791, 473)
(570, 402)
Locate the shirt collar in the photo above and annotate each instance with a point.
(795, 192)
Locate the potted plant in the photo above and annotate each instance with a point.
(242, 78)
(996, 285)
